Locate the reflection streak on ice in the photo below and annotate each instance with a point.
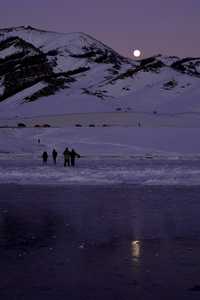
(136, 249)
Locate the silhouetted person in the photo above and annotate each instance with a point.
(38, 141)
(45, 157)
(66, 154)
(54, 155)
(73, 156)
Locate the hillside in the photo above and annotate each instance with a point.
(47, 73)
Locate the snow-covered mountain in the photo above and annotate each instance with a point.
(46, 73)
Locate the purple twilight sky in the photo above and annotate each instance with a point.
(155, 26)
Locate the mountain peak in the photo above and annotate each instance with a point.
(37, 64)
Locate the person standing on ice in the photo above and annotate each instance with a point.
(54, 155)
(66, 154)
(73, 156)
(45, 157)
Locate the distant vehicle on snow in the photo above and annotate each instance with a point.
(21, 125)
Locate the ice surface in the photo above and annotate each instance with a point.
(110, 242)
(109, 156)
(101, 172)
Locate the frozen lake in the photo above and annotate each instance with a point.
(118, 241)
(142, 170)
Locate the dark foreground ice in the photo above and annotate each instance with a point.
(99, 242)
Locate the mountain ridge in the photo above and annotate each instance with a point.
(76, 65)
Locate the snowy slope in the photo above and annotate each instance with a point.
(47, 73)
(67, 51)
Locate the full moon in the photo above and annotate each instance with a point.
(137, 53)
